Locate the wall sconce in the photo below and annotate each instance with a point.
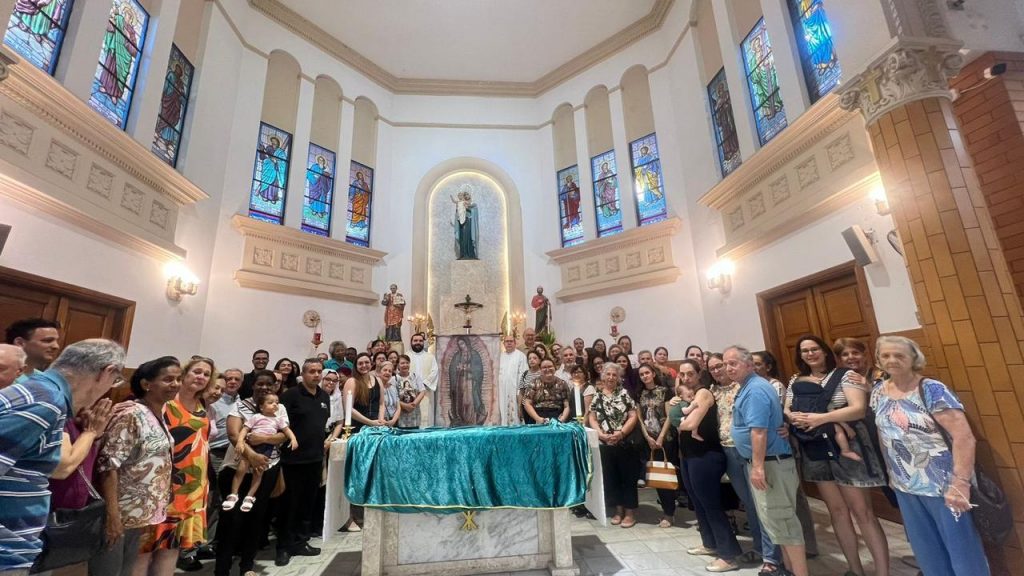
(720, 276)
(180, 281)
(881, 201)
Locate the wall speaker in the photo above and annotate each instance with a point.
(861, 245)
(5, 231)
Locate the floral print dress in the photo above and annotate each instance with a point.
(612, 410)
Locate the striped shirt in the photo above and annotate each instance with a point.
(32, 416)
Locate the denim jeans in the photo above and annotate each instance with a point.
(704, 476)
(736, 466)
(942, 545)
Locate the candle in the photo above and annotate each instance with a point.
(348, 408)
(579, 401)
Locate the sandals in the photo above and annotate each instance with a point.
(229, 503)
(616, 520)
(628, 523)
(247, 503)
(665, 523)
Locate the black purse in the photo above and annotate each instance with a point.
(992, 515)
(73, 536)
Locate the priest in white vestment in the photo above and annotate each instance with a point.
(424, 364)
(510, 370)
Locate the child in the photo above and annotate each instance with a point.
(265, 422)
(841, 430)
(688, 397)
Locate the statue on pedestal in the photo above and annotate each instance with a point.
(465, 226)
(542, 305)
(394, 308)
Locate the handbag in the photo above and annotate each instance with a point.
(73, 536)
(992, 516)
(661, 473)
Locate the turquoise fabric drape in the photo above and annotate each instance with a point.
(457, 469)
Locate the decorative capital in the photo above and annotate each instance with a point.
(910, 70)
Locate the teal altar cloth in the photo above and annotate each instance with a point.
(457, 469)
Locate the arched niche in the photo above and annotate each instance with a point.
(599, 120)
(326, 126)
(281, 91)
(637, 111)
(433, 182)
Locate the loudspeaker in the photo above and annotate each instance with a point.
(861, 245)
(5, 231)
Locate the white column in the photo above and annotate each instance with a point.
(787, 58)
(586, 183)
(149, 86)
(81, 52)
(627, 195)
(339, 210)
(300, 151)
(729, 43)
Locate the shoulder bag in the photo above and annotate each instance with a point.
(73, 536)
(661, 473)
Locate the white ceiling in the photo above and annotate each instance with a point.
(484, 40)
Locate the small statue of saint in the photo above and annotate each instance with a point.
(542, 306)
(394, 308)
(465, 226)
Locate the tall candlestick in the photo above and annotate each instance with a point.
(348, 408)
(579, 401)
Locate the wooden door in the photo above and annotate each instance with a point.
(82, 313)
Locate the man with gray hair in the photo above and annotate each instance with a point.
(771, 470)
(12, 363)
(33, 443)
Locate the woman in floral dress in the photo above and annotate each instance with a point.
(613, 413)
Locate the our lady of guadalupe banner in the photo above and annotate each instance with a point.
(467, 384)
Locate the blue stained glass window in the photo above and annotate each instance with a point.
(360, 199)
(769, 115)
(270, 175)
(606, 194)
(114, 83)
(319, 196)
(170, 120)
(651, 206)
(726, 141)
(36, 31)
(817, 53)
(569, 213)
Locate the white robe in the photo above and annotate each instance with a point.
(424, 364)
(511, 368)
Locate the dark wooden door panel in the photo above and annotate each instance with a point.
(17, 303)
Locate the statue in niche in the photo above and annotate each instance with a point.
(465, 226)
(542, 305)
(466, 385)
(394, 308)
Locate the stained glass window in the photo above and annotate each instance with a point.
(817, 53)
(36, 31)
(114, 83)
(764, 86)
(569, 212)
(360, 198)
(319, 196)
(606, 194)
(173, 104)
(647, 182)
(270, 175)
(725, 126)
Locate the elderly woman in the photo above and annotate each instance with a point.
(657, 432)
(613, 413)
(548, 397)
(930, 474)
(844, 484)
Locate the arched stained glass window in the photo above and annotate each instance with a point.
(817, 53)
(173, 104)
(270, 175)
(759, 63)
(722, 120)
(319, 196)
(360, 199)
(569, 213)
(36, 31)
(114, 83)
(651, 206)
(606, 194)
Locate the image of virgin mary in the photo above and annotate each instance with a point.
(465, 384)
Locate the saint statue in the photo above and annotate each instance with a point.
(465, 226)
(542, 305)
(466, 384)
(394, 308)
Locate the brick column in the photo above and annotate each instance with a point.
(966, 299)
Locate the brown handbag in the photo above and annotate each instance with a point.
(661, 473)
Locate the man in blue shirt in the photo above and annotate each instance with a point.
(757, 417)
(33, 442)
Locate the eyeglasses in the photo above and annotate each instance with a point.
(806, 351)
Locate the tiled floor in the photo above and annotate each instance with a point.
(644, 550)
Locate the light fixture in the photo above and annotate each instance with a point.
(720, 276)
(180, 281)
(881, 201)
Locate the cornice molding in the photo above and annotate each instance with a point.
(300, 240)
(309, 31)
(627, 239)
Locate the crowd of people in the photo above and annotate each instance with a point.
(195, 464)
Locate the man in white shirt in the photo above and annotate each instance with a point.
(424, 364)
(568, 355)
(513, 364)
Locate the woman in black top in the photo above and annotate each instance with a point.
(367, 410)
(703, 462)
